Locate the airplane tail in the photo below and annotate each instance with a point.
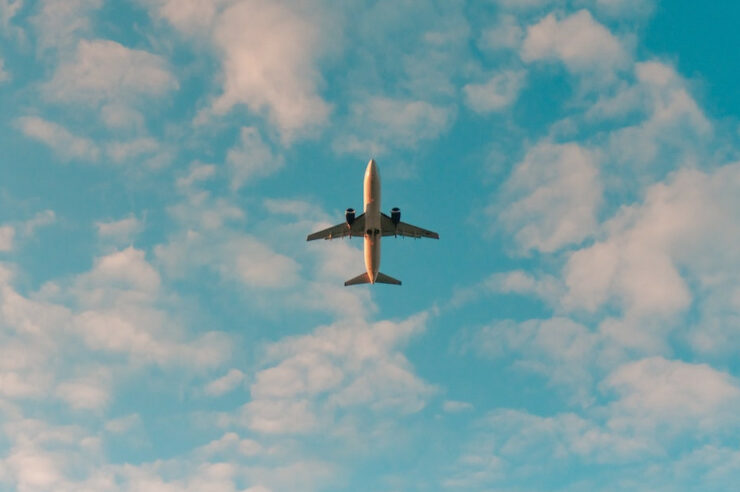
(385, 279)
(360, 279)
(365, 279)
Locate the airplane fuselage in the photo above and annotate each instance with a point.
(372, 225)
(373, 235)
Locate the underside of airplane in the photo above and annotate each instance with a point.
(372, 225)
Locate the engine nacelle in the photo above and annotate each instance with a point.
(349, 216)
(395, 215)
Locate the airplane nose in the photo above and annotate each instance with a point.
(371, 165)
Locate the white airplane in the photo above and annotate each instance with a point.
(373, 224)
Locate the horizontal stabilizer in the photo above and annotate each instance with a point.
(365, 279)
(360, 279)
(385, 279)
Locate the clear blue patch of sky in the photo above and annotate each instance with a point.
(704, 41)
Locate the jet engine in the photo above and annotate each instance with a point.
(395, 215)
(349, 216)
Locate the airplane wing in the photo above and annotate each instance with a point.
(341, 230)
(404, 229)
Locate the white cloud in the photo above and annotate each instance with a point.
(251, 158)
(64, 143)
(269, 53)
(506, 34)
(189, 15)
(126, 269)
(674, 128)
(119, 116)
(304, 374)
(105, 71)
(201, 211)
(453, 406)
(118, 315)
(349, 364)
(146, 149)
(430, 62)
(146, 337)
(85, 394)
(60, 23)
(683, 225)
(198, 172)
(206, 240)
(499, 92)
(383, 122)
(123, 424)
(8, 9)
(226, 383)
(41, 219)
(33, 471)
(508, 445)
(230, 443)
(4, 75)
(7, 233)
(551, 198)
(28, 384)
(656, 392)
(524, 5)
(258, 266)
(546, 287)
(279, 416)
(564, 351)
(120, 231)
(579, 41)
(235, 257)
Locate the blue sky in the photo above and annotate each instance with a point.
(164, 325)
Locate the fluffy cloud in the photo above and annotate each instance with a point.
(106, 71)
(118, 314)
(660, 408)
(64, 143)
(508, 444)
(497, 93)
(120, 231)
(7, 233)
(251, 158)
(4, 75)
(86, 394)
(382, 122)
(147, 149)
(225, 383)
(579, 41)
(564, 351)
(524, 5)
(8, 9)
(41, 219)
(506, 34)
(453, 406)
(269, 55)
(350, 364)
(675, 128)
(59, 23)
(656, 392)
(682, 225)
(235, 257)
(551, 198)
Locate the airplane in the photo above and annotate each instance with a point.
(372, 225)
